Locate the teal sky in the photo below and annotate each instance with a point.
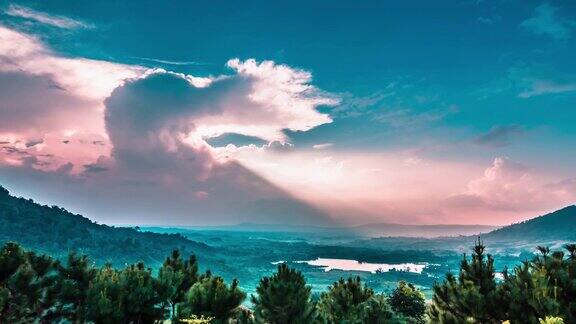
(440, 85)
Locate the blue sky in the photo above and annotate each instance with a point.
(444, 82)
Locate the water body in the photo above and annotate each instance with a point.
(354, 265)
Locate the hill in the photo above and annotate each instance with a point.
(558, 225)
(553, 230)
(428, 231)
(55, 231)
(367, 230)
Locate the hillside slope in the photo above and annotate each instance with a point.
(558, 225)
(427, 231)
(56, 231)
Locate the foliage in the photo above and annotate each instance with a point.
(350, 301)
(473, 295)
(36, 288)
(242, 315)
(175, 278)
(70, 290)
(378, 311)
(25, 285)
(283, 298)
(344, 301)
(210, 296)
(543, 288)
(552, 320)
(546, 286)
(126, 296)
(53, 230)
(409, 301)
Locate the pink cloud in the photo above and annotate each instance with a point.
(260, 99)
(508, 190)
(125, 144)
(58, 100)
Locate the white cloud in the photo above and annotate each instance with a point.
(44, 18)
(322, 146)
(94, 79)
(276, 97)
(167, 62)
(547, 22)
(541, 87)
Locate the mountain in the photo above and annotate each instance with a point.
(555, 226)
(427, 231)
(553, 230)
(55, 231)
(368, 230)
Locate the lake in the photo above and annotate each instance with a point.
(354, 265)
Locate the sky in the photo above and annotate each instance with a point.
(312, 112)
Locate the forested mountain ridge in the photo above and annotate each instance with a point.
(55, 231)
(558, 225)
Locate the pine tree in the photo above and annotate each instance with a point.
(175, 278)
(70, 290)
(126, 296)
(211, 297)
(377, 310)
(345, 301)
(26, 281)
(409, 301)
(546, 286)
(104, 297)
(473, 296)
(283, 298)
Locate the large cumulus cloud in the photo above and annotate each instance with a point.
(126, 144)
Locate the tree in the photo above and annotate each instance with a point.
(409, 301)
(104, 297)
(345, 301)
(71, 288)
(377, 310)
(211, 297)
(283, 298)
(26, 281)
(175, 278)
(126, 296)
(544, 287)
(473, 296)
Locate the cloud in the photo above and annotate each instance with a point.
(547, 22)
(167, 62)
(44, 18)
(352, 106)
(322, 146)
(279, 98)
(112, 134)
(407, 118)
(510, 186)
(72, 92)
(499, 136)
(156, 162)
(400, 105)
(539, 87)
(489, 20)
